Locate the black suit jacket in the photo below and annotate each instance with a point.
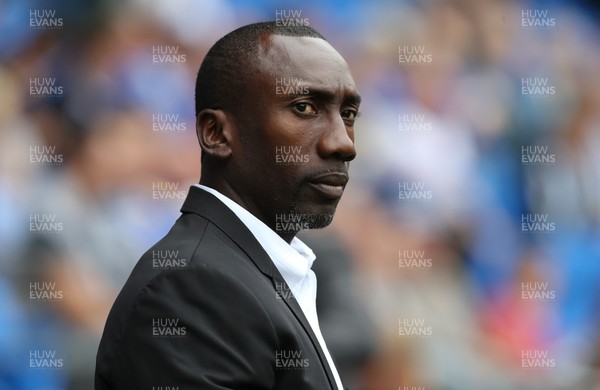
(206, 308)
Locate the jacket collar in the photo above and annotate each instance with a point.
(210, 207)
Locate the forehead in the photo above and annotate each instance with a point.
(311, 61)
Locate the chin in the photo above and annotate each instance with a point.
(312, 215)
(319, 221)
(315, 217)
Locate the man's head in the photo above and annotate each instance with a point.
(275, 112)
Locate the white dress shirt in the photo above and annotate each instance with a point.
(293, 261)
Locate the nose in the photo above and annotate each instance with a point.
(337, 140)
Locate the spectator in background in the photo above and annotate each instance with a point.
(74, 217)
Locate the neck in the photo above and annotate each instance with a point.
(246, 202)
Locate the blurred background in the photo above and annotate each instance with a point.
(465, 248)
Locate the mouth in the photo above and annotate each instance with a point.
(330, 185)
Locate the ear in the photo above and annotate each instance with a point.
(213, 128)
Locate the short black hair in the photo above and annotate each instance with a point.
(233, 59)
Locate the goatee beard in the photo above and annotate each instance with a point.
(317, 221)
(310, 220)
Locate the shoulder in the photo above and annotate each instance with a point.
(195, 260)
(190, 318)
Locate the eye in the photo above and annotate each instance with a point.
(305, 108)
(350, 114)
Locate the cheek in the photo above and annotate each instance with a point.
(290, 134)
(277, 147)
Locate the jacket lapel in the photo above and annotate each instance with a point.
(210, 207)
(292, 303)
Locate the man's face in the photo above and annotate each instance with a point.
(295, 134)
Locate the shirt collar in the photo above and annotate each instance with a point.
(293, 260)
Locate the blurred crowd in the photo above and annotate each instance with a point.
(470, 225)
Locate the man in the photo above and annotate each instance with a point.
(234, 307)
